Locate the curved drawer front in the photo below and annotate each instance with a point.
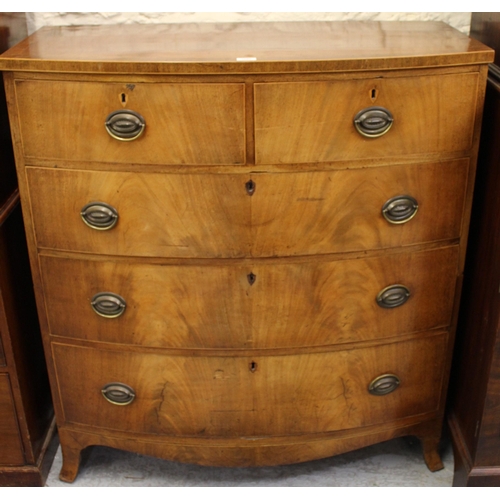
(302, 304)
(158, 215)
(305, 122)
(213, 215)
(243, 396)
(341, 211)
(202, 124)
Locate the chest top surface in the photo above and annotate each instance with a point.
(208, 48)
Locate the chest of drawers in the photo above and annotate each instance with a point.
(247, 240)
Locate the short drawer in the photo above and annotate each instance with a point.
(11, 449)
(309, 122)
(253, 305)
(212, 216)
(248, 396)
(199, 124)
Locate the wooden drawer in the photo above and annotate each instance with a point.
(312, 303)
(11, 450)
(200, 124)
(303, 122)
(212, 215)
(222, 396)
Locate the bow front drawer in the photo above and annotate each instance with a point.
(312, 303)
(197, 215)
(192, 124)
(303, 122)
(229, 396)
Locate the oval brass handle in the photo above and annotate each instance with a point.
(118, 393)
(108, 304)
(393, 296)
(99, 215)
(385, 384)
(400, 209)
(125, 125)
(373, 122)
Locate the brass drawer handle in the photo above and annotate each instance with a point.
(373, 122)
(118, 394)
(400, 209)
(393, 296)
(125, 125)
(384, 384)
(108, 305)
(99, 215)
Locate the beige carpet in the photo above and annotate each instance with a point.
(396, 463)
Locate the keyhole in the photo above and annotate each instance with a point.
(252, 366)
(251, 278)
(250, 187)
(123, 98)
(373, 94)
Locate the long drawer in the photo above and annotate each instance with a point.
(302, 122)
(244, 396)
(202, 124)
(188, 215)
(252, 305)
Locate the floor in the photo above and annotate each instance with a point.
(395, 463)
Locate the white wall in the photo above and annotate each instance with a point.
(459, 20)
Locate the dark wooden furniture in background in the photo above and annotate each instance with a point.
(27, 427)
(474, 415)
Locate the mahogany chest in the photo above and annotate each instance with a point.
(247, 239)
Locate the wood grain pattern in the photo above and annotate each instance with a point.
(214, 359)
(185, 124)
(289, 305)
(175, 216)
(213, 216)
(214, 48)
(247, 453)
(325, 212)
(211, 396)
(11, 450)
(299, 122)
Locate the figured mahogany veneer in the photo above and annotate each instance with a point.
(212, 396)
(322, 302)
(306, 122)
(236, 310)
(199, 124)
(212, 216)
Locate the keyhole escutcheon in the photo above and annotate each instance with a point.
(250, 187)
